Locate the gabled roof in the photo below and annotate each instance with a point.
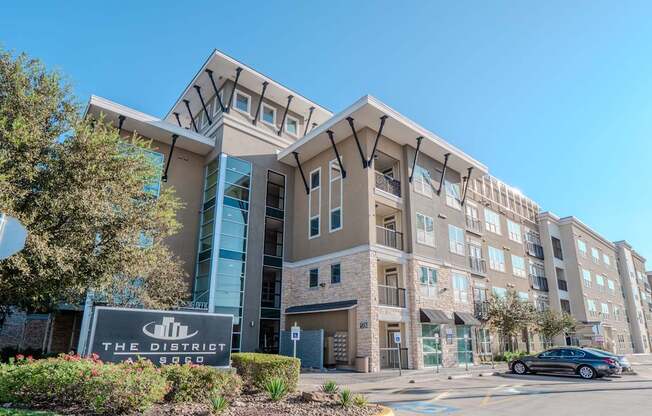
(224, 67)
(367, 112)
(148, 126)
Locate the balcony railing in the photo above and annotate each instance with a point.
(478, 265)
(481, 309)
(391, 296)
(388, 184)
(389, 238)
(534, 249)
(473, 224)
(389, 358)
(562, 285)
(539, 282)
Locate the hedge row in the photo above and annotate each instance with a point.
(256, 369)
(90, 386)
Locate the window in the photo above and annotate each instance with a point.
(314, 203)
(456, 239)
(460, 288)
(499, 292)
(611, 286)
(604, 309)
(431, 345)
(336, 273)
(586, 277)
(600, 281)
(292, 125)
(518, 266)
(335, 195)
(556, 248)
(242, 102)
(591, 305)
(422, 181)
(268, 114)
(514, 231)
(595, 253)
(425, 230)
(453, 195)
(606, 259)
(428, 280)
(314, 277)
(496, 259)
(581, 246)
(492, 221)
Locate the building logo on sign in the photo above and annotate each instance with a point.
(168, 330)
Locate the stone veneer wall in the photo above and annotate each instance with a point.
(358, 282)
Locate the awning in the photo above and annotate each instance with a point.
(435, 316)
(322, 307)
(466, 318)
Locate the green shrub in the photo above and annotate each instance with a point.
(513, 355)
(360, 400)
(85, 384)
(346, 398)
(276, 389)
(219, 404)
(330, 387)
(195, 383)
(256, 369)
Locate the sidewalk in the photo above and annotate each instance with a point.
(312, 380)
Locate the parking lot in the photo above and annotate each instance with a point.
(419, 393)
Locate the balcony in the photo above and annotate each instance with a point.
(391, 296)
(481, 309)
(539, 282)
(473, 224)
(388, 237)
(388, 184)
(478, 265)
(534, 249)
(562, 285)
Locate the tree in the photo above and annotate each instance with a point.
(507, 315)
(82, 192)
(551, 323)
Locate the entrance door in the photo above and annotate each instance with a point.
(464, 345)
(394, 348)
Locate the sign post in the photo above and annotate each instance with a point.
(466, 348)
(438, 352)
(397, 341)
(164, 337)
(295, 335)
(12, 236)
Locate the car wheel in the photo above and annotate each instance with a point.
(519, 368)
(586, 372)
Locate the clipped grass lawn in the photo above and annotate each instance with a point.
(16, 412)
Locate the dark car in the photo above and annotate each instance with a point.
(570, 360)
(622, 360)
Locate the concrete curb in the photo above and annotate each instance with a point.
(454, 377)
(386, 411)
(489, 373)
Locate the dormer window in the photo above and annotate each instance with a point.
(242, 102)
(292, 125)
(268, 114)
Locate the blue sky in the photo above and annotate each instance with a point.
(555, 96)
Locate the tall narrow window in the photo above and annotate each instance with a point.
(456, 240)
(514, 230)
(496, 259)
(556, 248)
(268, 114)
(586, 277)
(336, 273)
(460, 288)
(518, 266)
(492, 221)
(422, 181)
(314, 277)
(335, 195)
(242, 102)
(581, 247)
(292, 125)
(425, 230)
(314, 203)
(453, 194)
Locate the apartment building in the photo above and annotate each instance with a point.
(361, 224)
(588, 284)
(636, 292)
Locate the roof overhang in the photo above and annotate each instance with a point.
(322, 307)
(224, 67)
(148, 126)
(398, 128)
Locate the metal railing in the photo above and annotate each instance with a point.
(389, 358)
(481, 309)
(389, 238)
(534, 249)
(539, 282)
(478, 265)
(562, 285)
(473, 224)
(388, 184)
(391, 296)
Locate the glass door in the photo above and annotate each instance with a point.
(430, 339)
(464, 345)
